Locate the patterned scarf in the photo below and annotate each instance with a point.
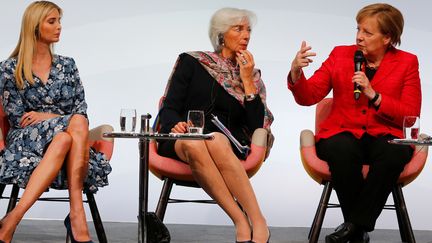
(227, 74)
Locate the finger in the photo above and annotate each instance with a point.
(309, 54)
(248, 55)
(303, 45)
(175, 130)
(242, 58)
(182, 127)
(24, 123)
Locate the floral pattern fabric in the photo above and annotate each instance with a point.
(62, 94)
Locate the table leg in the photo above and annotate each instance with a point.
(143, 190)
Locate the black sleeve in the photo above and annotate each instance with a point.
(254, 113)
(174, 103)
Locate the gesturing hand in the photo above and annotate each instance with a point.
(301, 60)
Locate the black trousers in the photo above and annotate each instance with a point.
(363, 199)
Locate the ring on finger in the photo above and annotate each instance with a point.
(28, 118)
(244, 62)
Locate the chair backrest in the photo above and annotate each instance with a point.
(322, 111)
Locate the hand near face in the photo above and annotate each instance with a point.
(180, 127)
(246, 62)
(301, 60)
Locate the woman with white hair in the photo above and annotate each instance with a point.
(47, 144)
(226, 84)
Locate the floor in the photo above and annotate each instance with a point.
(53, 231)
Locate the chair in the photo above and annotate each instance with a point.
(96, 141)
(172, 171)
(319, 171)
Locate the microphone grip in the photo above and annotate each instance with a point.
(357, 91)
(357, 66)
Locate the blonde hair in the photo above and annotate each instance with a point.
(223, 19)
(389, 18)
(32, 19)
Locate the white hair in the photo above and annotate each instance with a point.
(223, 19)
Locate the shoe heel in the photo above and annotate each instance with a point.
(69, 235)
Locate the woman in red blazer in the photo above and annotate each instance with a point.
(357, 130)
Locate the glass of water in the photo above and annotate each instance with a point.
(127, 120)
(195, 121)
(411, 127)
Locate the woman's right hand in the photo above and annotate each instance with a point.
(180, 127)
(301, 60)
(33, 117)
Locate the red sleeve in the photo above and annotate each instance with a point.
(409, 103)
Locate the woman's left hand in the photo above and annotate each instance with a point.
(366, 87)
(33, 117)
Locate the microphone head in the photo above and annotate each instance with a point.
(358, 56)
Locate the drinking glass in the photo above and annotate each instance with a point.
(127, 120)
(411, 127)
(195, 121)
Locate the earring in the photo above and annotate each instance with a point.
(221, 40)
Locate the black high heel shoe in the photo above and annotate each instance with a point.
(268, 239)
(69, 235)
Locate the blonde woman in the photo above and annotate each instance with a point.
(47, 144)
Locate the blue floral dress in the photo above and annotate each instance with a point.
(63, 94)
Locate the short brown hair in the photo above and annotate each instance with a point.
(390, 20)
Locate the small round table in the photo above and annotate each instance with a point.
(402, 141)
(144, 137)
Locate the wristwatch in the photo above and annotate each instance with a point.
(375, 98)
(250, 97)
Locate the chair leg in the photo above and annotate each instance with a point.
(402, 226)
(97, 221)
(406, 232)
(163, 199)
(2, 187)
(13, 198)
(320, 213)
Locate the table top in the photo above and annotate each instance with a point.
(426, 142)
(155, 135)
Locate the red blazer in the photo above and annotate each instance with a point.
(397, 80)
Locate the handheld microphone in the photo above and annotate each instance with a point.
(358, 61)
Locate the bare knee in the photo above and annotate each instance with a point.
(62, 142)
(219, 141)
(78, 126)
(221, 150)
(192, 151)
